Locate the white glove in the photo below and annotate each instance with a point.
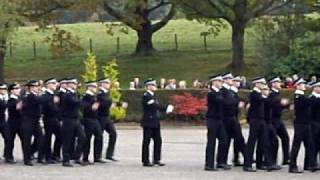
(169, 109)
(151, 102)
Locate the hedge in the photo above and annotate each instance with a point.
(134, 98)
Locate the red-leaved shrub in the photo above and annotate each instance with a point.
(188, 105)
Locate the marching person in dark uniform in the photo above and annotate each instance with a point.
(271, 133)
(71, 125)
(241, 104)
(151, 124)
(315, 119)
(302, 129)
(30, 125)
(258, 127)
(3, 124)
(277, 105)
(14, 119)
(215, 125)
(91, 123)
(62, 90)
(106, 123)
(51, 122)
(229, 117)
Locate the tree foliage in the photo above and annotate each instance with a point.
(238, 13)
(287, 45)
(90, 68)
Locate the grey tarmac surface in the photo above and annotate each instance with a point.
(183, 153)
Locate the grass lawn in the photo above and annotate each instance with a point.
(191, 61)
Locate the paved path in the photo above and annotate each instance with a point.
(183, 152)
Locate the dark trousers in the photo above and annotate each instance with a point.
(316, 139)
(71, 129)
(109, 127)
(52, 127)
(31, 127)
(93, 128)
(233, 130)
(258, 131)
(14, 126)
(282, 133)
(216, 131)
(302, 134)
(274, 144)
(155, 135)
(4, 130)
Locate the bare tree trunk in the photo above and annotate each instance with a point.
(3, 45)
(238, 33)
(144, 44)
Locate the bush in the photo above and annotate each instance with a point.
(90, 71)
(63, 43)
(110, 70)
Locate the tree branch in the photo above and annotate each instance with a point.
(157, 26)
(161, 3)
(119, 16)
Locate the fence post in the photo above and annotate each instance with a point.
(205, 42)
(118, 45)
(176, 42)
(34, 49)
(10, 49)
(90, 45)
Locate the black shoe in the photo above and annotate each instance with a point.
(82, 163)
(111, 159)
(148, 165)
(237, 163)
(100, 161)
(159, 163)
(28, 163)
(57, 159)
(10, 161)
(67, 164)
(41, 162)
(210, 169)
(50, 161)
(295, 170)
(287, 162)
(262, 168)
(273, 168)
(224, 166)
(249, 169)
(86, 163)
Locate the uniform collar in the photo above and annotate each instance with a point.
(3, 96)
(90, 93)
(275, 90)
(14, 96)
(62, 90)
(150, 92)
(71, 90)
(215, 89)
(103, 89)
(315, 94)
(299, 92)
(227, 86)
(49, 91)
(234, 89)
(257, 89)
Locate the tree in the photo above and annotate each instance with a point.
(14, 13)
(90, 68)
(136, 14)
(238, 13)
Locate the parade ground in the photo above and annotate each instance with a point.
(183, 153)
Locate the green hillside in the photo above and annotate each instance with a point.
(191, 61)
